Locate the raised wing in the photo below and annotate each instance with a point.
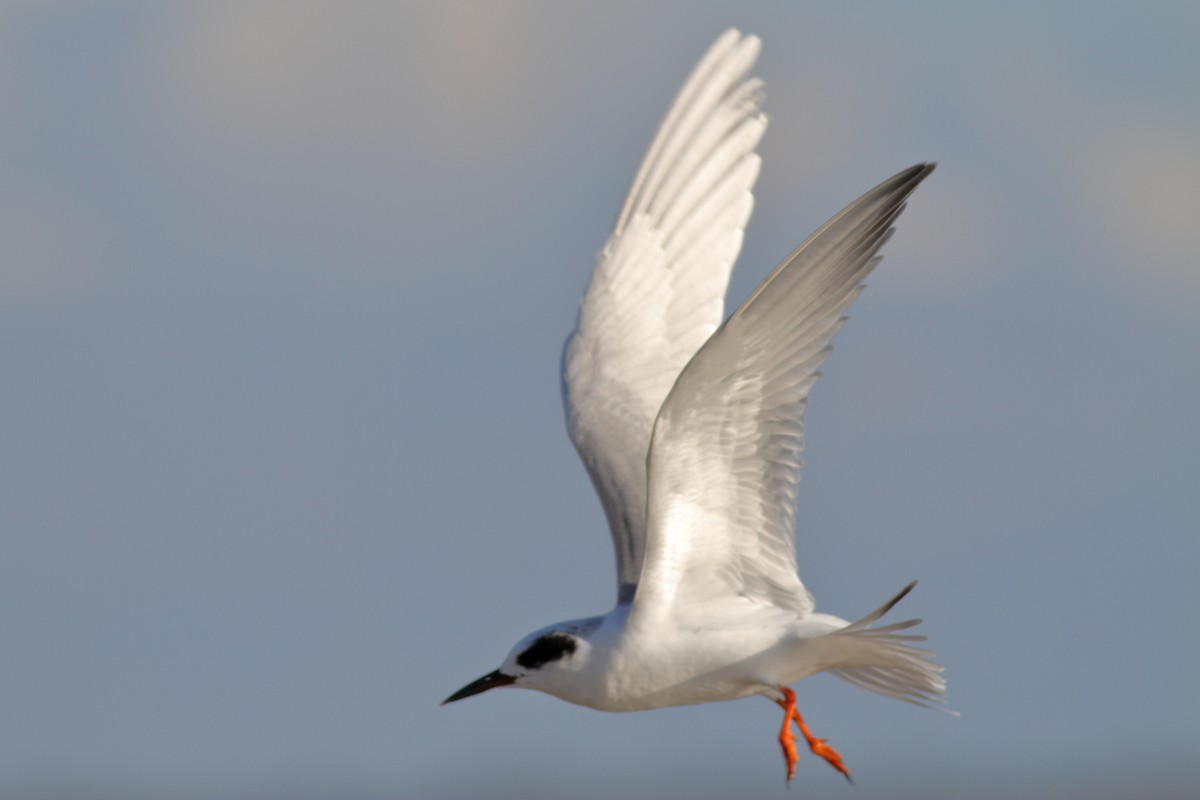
(725, 457)
(658, 289)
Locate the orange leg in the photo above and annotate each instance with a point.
(787, 739)
(817, 746)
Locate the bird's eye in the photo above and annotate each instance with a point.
(545, 649)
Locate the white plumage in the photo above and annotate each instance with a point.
(691, 431)
(658, 289)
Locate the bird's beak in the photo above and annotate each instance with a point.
(489, 681)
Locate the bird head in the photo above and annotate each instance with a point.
(544, 660)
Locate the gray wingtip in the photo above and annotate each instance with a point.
(912, 176)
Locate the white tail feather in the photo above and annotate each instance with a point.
(884, 661)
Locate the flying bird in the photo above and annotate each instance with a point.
(691, 430)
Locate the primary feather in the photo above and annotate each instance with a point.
(724, 459)
(658, 289)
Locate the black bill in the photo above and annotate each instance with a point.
(489, 681)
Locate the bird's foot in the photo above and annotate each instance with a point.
(787, 739)
(817, 746)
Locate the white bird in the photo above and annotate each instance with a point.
(691, 431)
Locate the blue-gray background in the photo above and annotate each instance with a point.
(283, 288)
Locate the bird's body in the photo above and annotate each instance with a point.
(691, 429)
(632, 669)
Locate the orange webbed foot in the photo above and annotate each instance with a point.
(819, 747)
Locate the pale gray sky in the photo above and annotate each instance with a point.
(283, 288)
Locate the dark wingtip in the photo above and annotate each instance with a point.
(915, 174)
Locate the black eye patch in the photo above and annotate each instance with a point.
(545, 649)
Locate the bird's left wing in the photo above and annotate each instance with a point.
(658, 289)
(724, 459)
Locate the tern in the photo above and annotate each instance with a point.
(691, 430)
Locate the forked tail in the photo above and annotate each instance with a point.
(886, 661)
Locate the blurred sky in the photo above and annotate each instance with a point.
(283, 288)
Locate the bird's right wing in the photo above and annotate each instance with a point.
(658, 288)
(725, 457)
